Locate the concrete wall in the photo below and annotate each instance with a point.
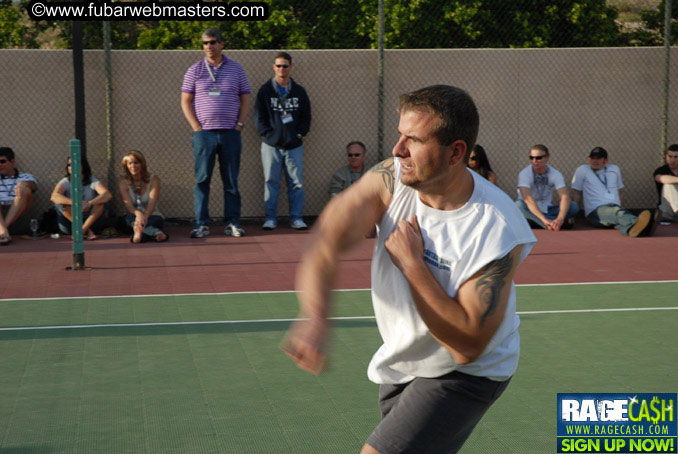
(569, 99)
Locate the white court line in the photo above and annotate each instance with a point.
(278, 320)
(555, 284)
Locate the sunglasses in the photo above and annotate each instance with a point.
(537, 158)
(353, 155)
(212, 42)
(473, 158)
(3, 161)
(282, 66)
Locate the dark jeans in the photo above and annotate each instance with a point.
(225, 144)
(65, 226)
(552, 212)
(154, 224)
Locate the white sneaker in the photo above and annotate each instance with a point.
(270, 224)
(200, 232)
(298, 224)
(233, 229)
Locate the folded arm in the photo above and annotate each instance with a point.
(464, 325)
(666, 179)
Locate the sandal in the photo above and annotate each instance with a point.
(5, 240)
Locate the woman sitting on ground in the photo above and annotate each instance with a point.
(478, 162)
(140, 191)
(94, 197)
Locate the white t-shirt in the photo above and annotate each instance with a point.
(89, 191)
(541, 188)
(598, 187)
(457, 244)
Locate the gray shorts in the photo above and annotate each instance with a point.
(432, 415)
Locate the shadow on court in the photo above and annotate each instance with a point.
(165, 330)
(29, 450)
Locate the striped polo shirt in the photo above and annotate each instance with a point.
(216, 112)
(8, 186)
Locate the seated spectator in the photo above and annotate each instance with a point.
(600, 185)
(536, 184)
(140, 191)
(16, 197)
(94, 196)
(666, 179)
(347, 175)
(478, 162)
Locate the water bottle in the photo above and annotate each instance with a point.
(34, 228)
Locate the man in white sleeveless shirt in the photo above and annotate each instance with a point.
(448, 244)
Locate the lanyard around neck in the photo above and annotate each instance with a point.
(209, 70)
(603, 179)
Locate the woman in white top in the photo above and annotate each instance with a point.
(140, 191)
(94, 197)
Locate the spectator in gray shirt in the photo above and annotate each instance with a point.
(347, 175)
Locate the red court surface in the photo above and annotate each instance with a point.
(266, 261)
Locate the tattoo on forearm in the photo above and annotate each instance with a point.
(385, 169)
(491, 283)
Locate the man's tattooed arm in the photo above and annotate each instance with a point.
(386, 171)
(491, 282)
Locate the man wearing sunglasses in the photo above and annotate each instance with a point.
(282, 113)
(347, 175)
(600, 184)
(536, 184)
(215, 101)
(16, 197)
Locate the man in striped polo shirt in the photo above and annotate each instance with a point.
(16, 197)
(215, 101)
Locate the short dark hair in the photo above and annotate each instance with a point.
(7, 152)
(359, 143)
(284, 55)
(673, 147)
(458, 114)
(214, 33)
(540, 147)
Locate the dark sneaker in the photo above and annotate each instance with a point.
(200, 232)
(644, 219)
(656, 219)
(233, 229)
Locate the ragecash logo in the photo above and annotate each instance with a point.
(604, 423)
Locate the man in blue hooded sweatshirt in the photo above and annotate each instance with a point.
(283, 118)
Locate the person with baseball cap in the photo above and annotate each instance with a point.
(600, 184)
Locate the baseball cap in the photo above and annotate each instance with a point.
(598, 152)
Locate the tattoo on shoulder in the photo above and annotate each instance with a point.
(385, 169)
(491, 283)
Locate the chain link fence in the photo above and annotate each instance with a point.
(571, 97)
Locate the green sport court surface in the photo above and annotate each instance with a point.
(203, 373)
